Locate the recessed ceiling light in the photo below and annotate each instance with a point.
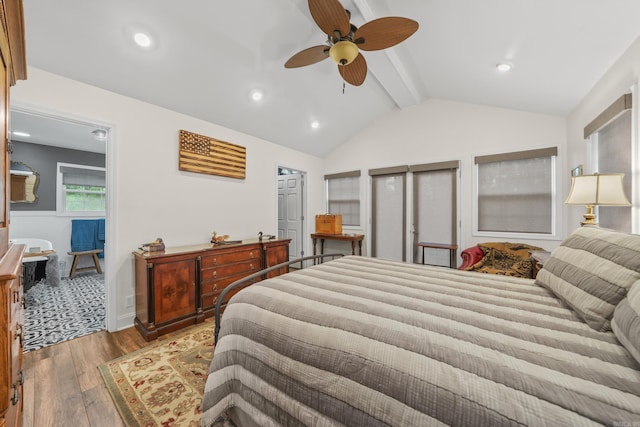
(257, 95)
(504, 67)
(315, 124)
(142, 39)
(24, 134)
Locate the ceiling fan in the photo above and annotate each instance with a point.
(345, 40)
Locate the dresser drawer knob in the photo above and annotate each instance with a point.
(215, 261)
(251, 254)
(251, 266)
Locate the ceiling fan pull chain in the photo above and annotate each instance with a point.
(343, 86)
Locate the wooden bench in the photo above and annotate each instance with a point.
(77, 255)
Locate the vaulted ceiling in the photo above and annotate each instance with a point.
(208, 57)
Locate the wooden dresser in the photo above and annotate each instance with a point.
(11, 336)
(13, 68)
(180, 286)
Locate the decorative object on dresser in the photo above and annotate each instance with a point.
(180, 286)
(219, 240)
(504, 258)
(203, 154)
(155, 246)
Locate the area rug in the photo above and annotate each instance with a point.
(54, 314)
(162, 384)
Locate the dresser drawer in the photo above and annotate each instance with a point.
(209, 300)
(231, 256)
(217, 285)
(244, 268)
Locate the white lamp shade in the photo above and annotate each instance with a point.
(597, 189)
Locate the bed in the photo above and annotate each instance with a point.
(368, 342)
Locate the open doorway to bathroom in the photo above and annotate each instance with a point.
(68, 213)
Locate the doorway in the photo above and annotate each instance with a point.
(43, 140)
(292, 209)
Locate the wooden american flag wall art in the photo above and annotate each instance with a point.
(203, 154)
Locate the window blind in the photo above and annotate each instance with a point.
(343, 196)
(515, 192)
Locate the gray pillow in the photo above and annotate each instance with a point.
(591, 271)
(626, 321)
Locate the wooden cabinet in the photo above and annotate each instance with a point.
(276, 252)
(180, 286)
(11, 336)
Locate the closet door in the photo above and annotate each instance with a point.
(388, 213)
(434, 210)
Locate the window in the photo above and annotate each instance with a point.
(516, 192)
(612, 148)
(343, 196)
(81, 190)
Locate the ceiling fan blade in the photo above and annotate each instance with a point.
(356, 72)
(382, 33)
(308, 56)
(330, 16)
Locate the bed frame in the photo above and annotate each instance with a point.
(246, 281)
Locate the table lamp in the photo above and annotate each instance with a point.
(596, 190)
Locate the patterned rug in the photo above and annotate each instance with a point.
(162, 384)
(70, 310)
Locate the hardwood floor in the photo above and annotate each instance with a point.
(62, 384)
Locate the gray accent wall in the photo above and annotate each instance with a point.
(44, 160)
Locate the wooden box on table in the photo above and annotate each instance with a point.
(329, 224)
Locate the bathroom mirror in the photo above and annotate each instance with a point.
(24, 183)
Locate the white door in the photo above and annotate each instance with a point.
(388, 217)
(435, 214)
(290, 212)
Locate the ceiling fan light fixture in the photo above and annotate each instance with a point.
(344, 52)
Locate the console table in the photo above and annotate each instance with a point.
(451, 248)
(353, 238)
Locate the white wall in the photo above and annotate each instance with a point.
(439, 130)
(617, 81)
(148, 196)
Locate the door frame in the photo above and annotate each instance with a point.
(304, 245)
(111, 291)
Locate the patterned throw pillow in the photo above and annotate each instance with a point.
(591, 271)
(626, 321)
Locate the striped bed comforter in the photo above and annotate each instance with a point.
(364, 341)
